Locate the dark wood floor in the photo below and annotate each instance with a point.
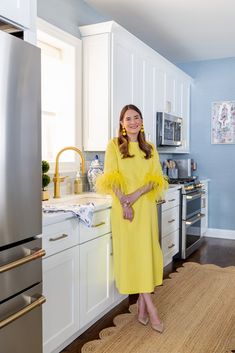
(213, 251)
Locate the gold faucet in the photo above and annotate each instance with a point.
(57, 178)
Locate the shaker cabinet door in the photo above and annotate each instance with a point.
(96, 92)
(122, 67)
(60, 287)
(96, 279)
(149, 111)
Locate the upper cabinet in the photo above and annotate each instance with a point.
(119, 69)
(21, 13)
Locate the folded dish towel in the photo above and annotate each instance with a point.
(85, 212)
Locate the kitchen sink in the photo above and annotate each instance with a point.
(99, 201)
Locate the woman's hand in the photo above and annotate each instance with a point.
(128, 213)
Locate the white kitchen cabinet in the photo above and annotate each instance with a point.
(60, 287)
(60, 283)
(122, 82)
(96, 109)
(183, 104)
(78, 277)
(160, 84)
(96, 278)
(149, 96)
(119, 69)
(176, 101)
(170, 93)
(170, 226)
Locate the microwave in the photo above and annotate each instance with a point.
(168, 130)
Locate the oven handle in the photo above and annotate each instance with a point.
(36, 254)
(196, 196)
(23, 311)
(194, 219)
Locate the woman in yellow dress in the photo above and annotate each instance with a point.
(133, 176)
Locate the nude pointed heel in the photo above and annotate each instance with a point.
(158, 327)
(143, 321)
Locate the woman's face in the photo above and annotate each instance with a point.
(132, 122)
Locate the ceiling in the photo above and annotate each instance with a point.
(180, 30)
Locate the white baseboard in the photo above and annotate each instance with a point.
(220, 233)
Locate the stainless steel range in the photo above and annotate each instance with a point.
(191, 230)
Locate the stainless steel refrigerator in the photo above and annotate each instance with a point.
(20, 197)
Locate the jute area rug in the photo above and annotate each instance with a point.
(197, 305)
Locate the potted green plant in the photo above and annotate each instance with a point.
(45, 180)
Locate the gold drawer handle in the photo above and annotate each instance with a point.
(171, 221)
(171, 246)
(98, 225)
(160, 202)
(171, 200)
(59, 237)
(36, 254)
(22, 312)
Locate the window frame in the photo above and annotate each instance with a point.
(76, 42)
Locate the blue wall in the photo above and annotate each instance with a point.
(214, 81)
(68, 14)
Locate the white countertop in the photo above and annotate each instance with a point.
(56, 217)
(174, 187)
(101, 202)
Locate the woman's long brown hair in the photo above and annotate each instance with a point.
(123, 141)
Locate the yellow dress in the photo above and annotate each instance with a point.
(138, 261)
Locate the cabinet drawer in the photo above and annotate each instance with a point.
(100, 226)
(172, 200)
(60, 236)
(170, 220)
(170, 244)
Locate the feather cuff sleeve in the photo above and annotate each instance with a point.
(159, 188)
(107, 182)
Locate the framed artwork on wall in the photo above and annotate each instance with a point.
(223, 122)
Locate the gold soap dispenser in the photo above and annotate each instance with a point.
(78, 184)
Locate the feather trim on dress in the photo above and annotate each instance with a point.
(107, 182)
(160, 186)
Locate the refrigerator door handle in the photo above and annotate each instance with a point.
(36, 254)
(23, 311)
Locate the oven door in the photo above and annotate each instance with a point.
(191, 235)
(191, 204)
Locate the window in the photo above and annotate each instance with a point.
(60, 94)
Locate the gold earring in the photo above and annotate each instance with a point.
(142, 128)
(123, 131)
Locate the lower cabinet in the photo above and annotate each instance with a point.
(170, 226)
(96, 278)
(60, 287)
(78, 279)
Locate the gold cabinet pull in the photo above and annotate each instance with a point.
(62, 236)
(171, 246)
(98, 224)
(22, 312)
(160, 202)
(37, 253)
(171, 221)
